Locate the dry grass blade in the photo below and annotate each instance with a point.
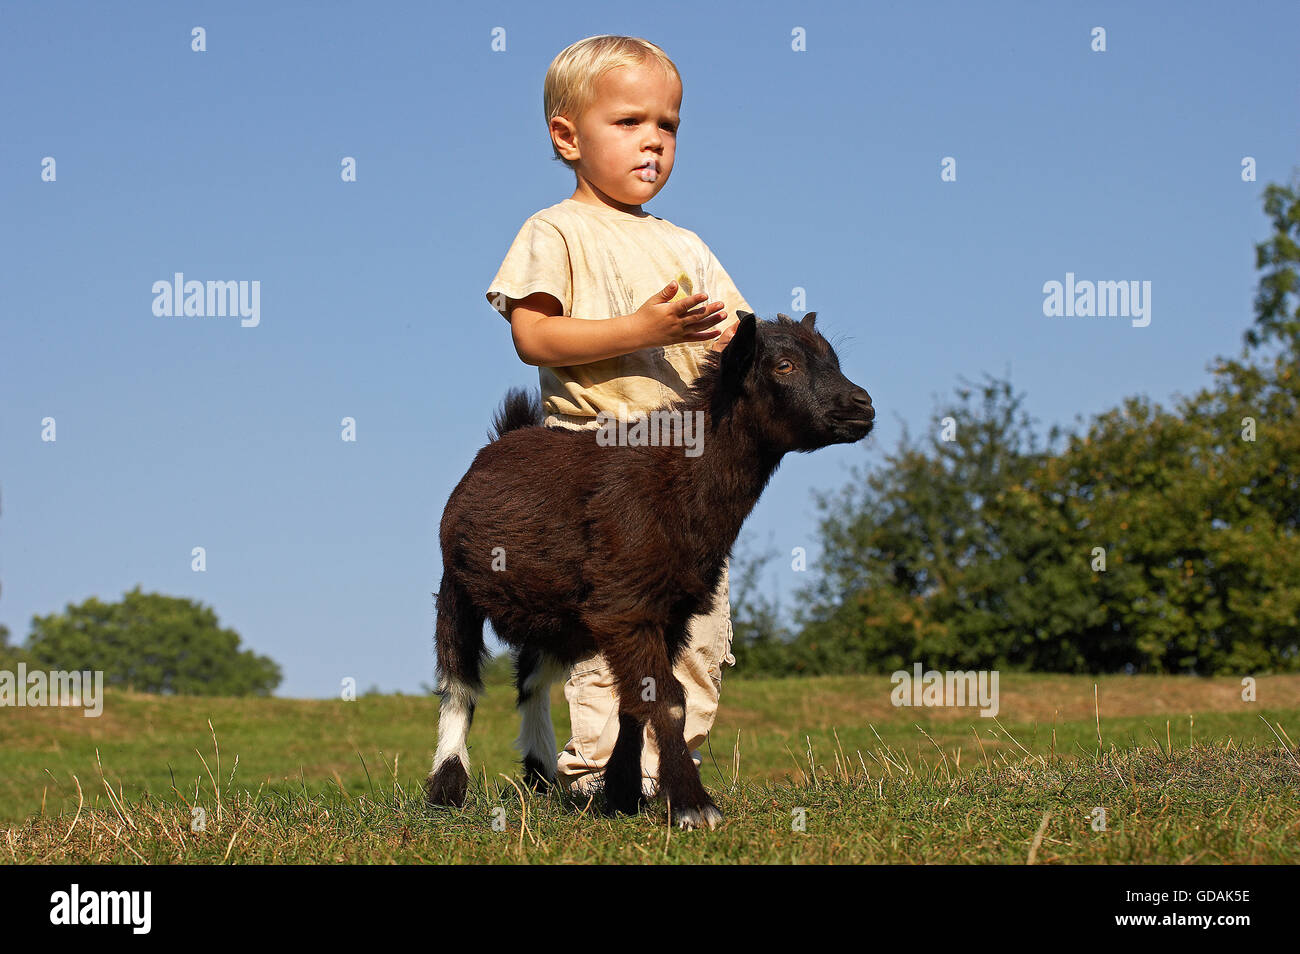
(1038, 838)
(884, 751)
(115, 835)
(943, 755)
(230, 846)
(1038, 758)
(213, 780)
(1096, 708)
(797, 767)
(338, 780)
(841, 760)
(1286, 748)
(113, 798)
(80, 801)
(217, 749)
(985, 754)
(523, 812)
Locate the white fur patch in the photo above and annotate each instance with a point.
(536, 733)
(453, 721)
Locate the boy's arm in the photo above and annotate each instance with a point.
(545, 337)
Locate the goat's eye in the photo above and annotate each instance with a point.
(784, 366)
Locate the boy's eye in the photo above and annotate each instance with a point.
(668, 126)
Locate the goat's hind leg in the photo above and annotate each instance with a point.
(459, 640)
(534, 674)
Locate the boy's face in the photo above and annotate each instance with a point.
(634, 118)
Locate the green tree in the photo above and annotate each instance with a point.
(10, 656)
(1277, 304)
(151, 643)
(985, 550)
(1202, 504)
(933, 548)
(760, 642)
(1194, 511)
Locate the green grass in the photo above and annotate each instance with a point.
(1185, 770)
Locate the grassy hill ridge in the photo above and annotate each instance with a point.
(1186, 770)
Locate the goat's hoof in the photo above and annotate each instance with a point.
(627, 806)
(627, 802)
(536, 776)
(707, 816)
(447, 786)
(540, 784)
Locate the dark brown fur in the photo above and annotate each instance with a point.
(616, 548)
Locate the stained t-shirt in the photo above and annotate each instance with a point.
(599, 262)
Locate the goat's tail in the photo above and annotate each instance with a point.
(520, 409)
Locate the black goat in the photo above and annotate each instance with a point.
(570, 546)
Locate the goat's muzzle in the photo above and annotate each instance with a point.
(856, 417)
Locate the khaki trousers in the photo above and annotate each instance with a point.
(593, 703)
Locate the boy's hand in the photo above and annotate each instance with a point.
(663, 321)
(725, 338)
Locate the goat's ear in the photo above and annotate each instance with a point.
(810, 321)
(738, 355)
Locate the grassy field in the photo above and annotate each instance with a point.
(809, 770)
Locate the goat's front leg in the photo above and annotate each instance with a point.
(623, 770)
(649, 692)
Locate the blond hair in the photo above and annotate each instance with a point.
(570, 86)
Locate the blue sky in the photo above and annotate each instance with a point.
(817, 170)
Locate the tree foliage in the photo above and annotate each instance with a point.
(151, 643)
(1158, 540)
(10, 656)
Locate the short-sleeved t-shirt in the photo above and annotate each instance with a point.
(599, 262)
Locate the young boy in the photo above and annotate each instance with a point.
(608, 302)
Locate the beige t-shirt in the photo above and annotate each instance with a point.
(599, 263)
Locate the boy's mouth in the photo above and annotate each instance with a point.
(648, 170)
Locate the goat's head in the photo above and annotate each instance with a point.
(790, 378)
